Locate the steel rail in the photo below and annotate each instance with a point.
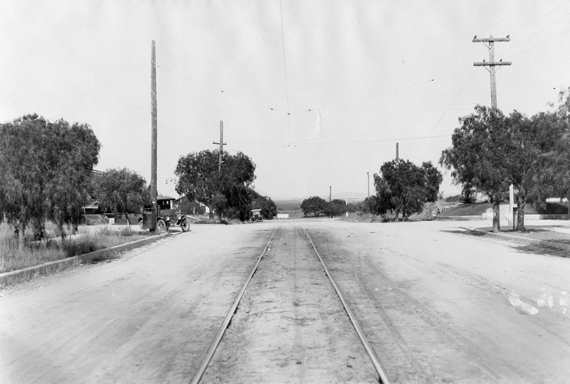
(381, 373)
(210, 353)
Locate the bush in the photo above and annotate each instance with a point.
(80, 246)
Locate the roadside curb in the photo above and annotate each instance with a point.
(459, 218)
(13, 277)
(551, 244)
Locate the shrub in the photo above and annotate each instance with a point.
(80, 246)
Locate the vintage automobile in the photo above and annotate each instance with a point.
(256, 215)
(168, 215)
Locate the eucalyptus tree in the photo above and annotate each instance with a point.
(121, 190)
(404, 187)
(45, 172)
(199, 179)
(477, 155)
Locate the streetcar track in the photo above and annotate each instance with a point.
(381, 375)
(225, 324)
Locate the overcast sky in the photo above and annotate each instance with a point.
(317, 93)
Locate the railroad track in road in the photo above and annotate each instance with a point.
(298, 251)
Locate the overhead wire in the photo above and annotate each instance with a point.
(536, 33)
(285, 70)
(377, 94)
(448, 108)
(302, 144)
(504, 17)
(225, 92)
(536, 45)
(540, 18)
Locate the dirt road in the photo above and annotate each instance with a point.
(143, 318)
(442, 306)
(436, 304)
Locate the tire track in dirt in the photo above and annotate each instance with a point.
(412, 343)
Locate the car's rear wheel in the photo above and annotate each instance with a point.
(185, 225)
(161, 226)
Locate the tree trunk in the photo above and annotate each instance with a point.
(496, 216)
(520, 214)
(21, 230)
(61, 231)
(128, 221)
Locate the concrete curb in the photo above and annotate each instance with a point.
(563, 247)
(459, 218)
(13, 277)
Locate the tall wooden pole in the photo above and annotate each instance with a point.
(397, 151)
(368, 177)
(492, 63)
(153, 155)
(330, 200)
(221, 146)
(221, 143)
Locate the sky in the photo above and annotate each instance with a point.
(317, 93)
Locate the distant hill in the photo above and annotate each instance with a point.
(288, 205)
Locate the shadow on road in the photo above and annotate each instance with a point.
(540, 247)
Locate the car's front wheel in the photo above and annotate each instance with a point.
(185, 225)
(161, 226)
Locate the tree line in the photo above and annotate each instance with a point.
(317, 206)
(491, 150)
(47, 173)
(401, 188)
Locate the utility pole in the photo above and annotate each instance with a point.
(221, 145)
(492, 63)
(153, 155)
(330, 204)
(397, 151)
(368, 177)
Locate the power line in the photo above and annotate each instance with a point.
(504, 17)
(435, 125)
(376, 95)
(536, 45)
(540, 18)
(285, 70)
(280, 145)
(536, 33)
(218, 89)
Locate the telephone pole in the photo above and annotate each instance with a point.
(330, 199)
(154, 124)
(397, 151)
(368, 177)
(221, 145)
(492, 63)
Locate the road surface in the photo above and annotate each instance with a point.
(437, 305)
